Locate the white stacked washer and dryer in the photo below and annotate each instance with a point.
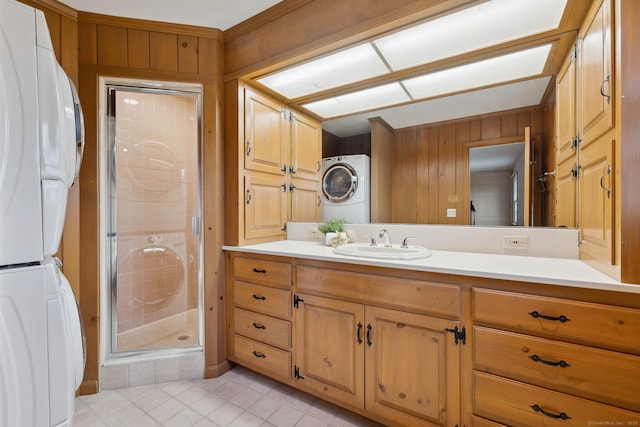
(346, 186)
(41, 344)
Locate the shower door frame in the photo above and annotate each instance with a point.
(107, 84)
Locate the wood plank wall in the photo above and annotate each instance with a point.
(430, 163)
(334, 146)
(118, 47)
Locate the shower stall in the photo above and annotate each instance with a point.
(151, 157)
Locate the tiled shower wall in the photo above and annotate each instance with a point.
(156, 197)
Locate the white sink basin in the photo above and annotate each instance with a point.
(365, 250)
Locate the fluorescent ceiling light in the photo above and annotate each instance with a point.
(367, 99)
(348, 66)
(488, 24)
(488, 72)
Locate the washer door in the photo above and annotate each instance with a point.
(339, 183)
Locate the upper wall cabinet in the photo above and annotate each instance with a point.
(266, 134)
(272, 166)
(585, 138)
(596, 75)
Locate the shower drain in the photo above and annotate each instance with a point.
(183, 337)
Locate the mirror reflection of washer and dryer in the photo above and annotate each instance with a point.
(346, 184)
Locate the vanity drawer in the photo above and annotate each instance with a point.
(262, 328)
(324, 281)
(415, 295)
(263, 299)
(518, 404)
(269, 273)
(262, 357)
(597, 324)
(602, 375)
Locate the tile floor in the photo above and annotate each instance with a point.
(239, 398)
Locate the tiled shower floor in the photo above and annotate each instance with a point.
(238, 398)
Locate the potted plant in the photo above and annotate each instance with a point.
(330, 228)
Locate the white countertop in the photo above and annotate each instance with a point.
(555, 271)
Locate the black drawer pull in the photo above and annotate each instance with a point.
(562, 318)
(359, 333)
(369, 335)
(263, 271)
(560, 363)
(258, 354)
(259, 325)
(261, 298)
(560, 416)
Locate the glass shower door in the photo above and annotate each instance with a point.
(154, 218)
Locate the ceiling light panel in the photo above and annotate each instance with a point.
(347, 66)
(488, 24)
(488, 72)
(380, 96)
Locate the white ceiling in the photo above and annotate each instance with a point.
(221, 14)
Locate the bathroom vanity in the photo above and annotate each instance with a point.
(456, 339)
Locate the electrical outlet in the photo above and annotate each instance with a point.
(451, 213)
(515, 242)
(314, 234)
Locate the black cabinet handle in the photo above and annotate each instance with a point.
(263, 271)
(560, 416)
(259, 326)
(369, 335)
(560, 363)
(359, 333)
(258, 354)
(562, 318)
(261, 298)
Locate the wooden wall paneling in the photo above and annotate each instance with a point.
(490, 128)
(87, 43)
(381, 169)
(187, 54)
(396, 180)
(89, 245)
(446, 172)
(329, 144)
(434, 178)
(462, 183)
(69, 47)
(628, 67)
(422, 176)
(409, 176)
(112, 46)
(524, 120)
(163, 51)
(233, 132)
(208, 52)
(138, 48)
(509, 125)
(475, 130)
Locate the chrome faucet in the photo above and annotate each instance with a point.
(384, 234)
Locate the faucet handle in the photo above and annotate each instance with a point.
(373, 240)
(404, 242)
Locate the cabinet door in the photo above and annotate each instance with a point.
(330, 348)
(265, 205)
(305, 201)
(567, 155)
(266, 134)
(412, 368)
(306, 148)
(595, 76)
(596, 200)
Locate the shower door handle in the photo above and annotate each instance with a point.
(195, 225)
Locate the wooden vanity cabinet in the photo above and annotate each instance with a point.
(259, 332)
(538, 359)
(398, 365)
